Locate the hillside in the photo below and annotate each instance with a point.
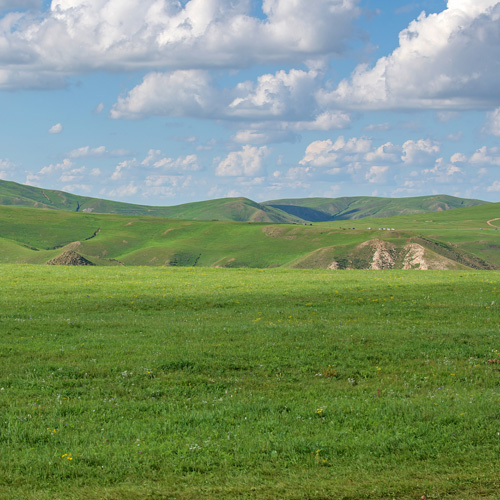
(287, 211)
(453, 239)
(238, 209)
(330, 209)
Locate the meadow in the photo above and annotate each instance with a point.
(453, 239)
(142, 383)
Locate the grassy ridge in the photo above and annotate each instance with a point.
(236, 209)
(453, 239)
(327, 209)
(143, 383)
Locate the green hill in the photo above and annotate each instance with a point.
(305, 210)
(453, 239)
(330, 209)
(238, 209)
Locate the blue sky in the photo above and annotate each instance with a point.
(164, 102)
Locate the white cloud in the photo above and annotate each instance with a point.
(284, 94)
(486, 156)
(320, 154)
(282, 97)
(458, 158)
(247, 162)
(329, 120)
(420, 151)
(75, 36)
(187, 163)
(87, 151)
(121, 168)
(66, 164)
(326, 153)
(376, 175)
(447, 60)
(386, 152)
(56, 129)
(442, 173)
(181, 93)
(156, 159)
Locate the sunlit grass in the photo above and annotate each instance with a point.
(148, 383)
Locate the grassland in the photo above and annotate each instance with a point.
(166, 383)
(456, 239)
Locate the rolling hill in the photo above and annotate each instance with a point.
(287, 211)
(328, 209)
(464, 238)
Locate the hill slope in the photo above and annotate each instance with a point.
(330, 209)
(237, 209)
(454, 239)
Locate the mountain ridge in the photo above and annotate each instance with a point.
(241, 209)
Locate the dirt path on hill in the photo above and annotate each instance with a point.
(490, 222)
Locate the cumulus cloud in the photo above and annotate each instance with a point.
(458, 158)
(443, 172)
(66, 164)
(419, 151)
(486, 156)
(289, 94)
(56, 129)
(121, 168)
(447, 60)
(248, 162)
(326, 153)
(156, 159)
(72, 175)
(376, 175)
(75, 36)
(187, 163)
(388, 152)
(286, 98)
(181, 93)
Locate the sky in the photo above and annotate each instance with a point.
(163, 102)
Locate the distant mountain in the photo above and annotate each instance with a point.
(360, 207)
(287, 211)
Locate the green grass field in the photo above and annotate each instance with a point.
(454, 239)
(133, 383)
